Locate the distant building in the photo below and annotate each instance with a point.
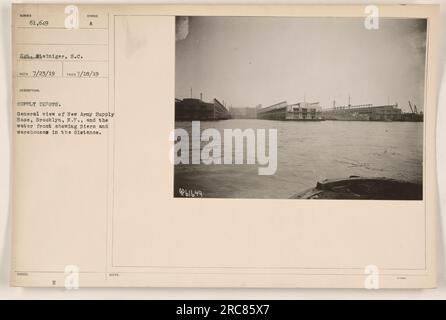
(298, 111)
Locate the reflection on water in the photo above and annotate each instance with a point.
(308, 152)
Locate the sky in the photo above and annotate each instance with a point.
(247, 61)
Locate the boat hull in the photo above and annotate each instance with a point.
(363, 188)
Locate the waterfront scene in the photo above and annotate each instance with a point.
(345, 103)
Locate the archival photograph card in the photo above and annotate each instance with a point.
(224, 146)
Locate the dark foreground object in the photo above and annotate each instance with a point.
(196, 109)
(363, 188)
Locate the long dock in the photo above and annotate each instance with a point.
(190, 109)
(195, 109)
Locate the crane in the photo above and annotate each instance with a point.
(410, 106)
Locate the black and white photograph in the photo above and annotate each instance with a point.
(299, 108)
(201, 151)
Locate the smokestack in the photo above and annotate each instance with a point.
(201, 96)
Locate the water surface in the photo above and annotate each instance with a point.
(309, 152)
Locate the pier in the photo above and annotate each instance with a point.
(310, 111)
(364, 112)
